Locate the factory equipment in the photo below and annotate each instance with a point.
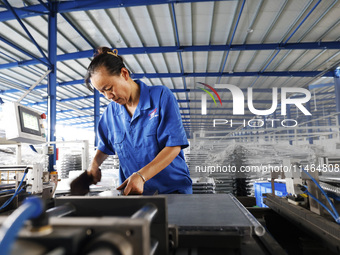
(23, 124)
(203, 185)
(127, 225)
(109, 223)
(26, 180)
(308, 205)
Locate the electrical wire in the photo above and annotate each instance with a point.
(18, 190)
(334, 196)
(323, 205)
(325, 194)
(7, 191)
(33, 148)
(10, 200)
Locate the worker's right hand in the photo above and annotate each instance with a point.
(96, 175)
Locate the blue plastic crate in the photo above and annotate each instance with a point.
(266, 187)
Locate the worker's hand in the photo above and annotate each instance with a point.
(132, 185)
(95, 174)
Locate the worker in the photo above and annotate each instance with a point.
(142, 125)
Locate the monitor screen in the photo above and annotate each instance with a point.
(29, 121)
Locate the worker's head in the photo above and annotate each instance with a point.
(108, 74)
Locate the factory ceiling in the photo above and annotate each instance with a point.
(257, 44)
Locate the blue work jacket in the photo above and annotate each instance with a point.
(155, 124)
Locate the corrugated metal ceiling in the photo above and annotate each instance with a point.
(155, 39)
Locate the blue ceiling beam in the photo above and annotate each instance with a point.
(316, 86)
(184, 119)
(286, 41)
(181, 108)
(232, 38)
(10, 8)
(179, 101)
(86, 5)
(82, 109)
(213, 109)
(62, 100)
(44, 86)
(239, 74)
(223, 101)
(304, 19)
(213, 116)
(44, 4)
(35, 10)
(75, 98)
(77, 30)
(77, 117)
(23, 51)
(77, 82)
(168, 49)
(237, 47)
(178, 44)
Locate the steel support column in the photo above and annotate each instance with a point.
(52, 79)
(96, 115)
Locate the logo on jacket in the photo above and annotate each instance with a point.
(153, 114)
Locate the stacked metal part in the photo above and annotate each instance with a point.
(222, 161)
(110, 171)
(7, 157)
(203, 185)
(110, 163)
(69, 162)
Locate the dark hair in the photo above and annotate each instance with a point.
(104, 57)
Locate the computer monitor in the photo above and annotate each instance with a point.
(23, 124)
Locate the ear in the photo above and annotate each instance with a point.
(125, 73)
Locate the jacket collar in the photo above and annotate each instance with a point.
(143, 104)
(144, 97)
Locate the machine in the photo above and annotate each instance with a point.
(142, 225)
(109, 223)
(23, 124)
(312, 202)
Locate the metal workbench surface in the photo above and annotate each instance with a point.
(208, 211)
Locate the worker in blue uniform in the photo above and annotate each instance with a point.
(142, 125)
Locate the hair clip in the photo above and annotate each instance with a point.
(113, 52)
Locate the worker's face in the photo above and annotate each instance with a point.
(113, 87)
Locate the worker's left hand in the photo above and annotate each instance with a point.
(132, 185)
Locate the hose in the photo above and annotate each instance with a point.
(31, 208)
(7, 191)
(18, 190)
(323, 205)
(33, 148)
(324, 193)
